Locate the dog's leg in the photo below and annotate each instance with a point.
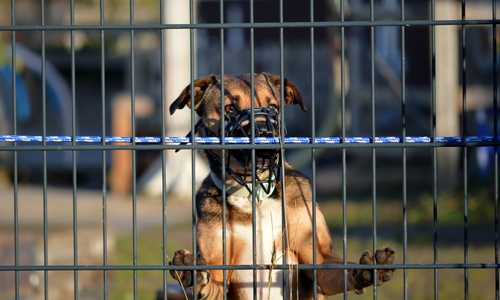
(331, 281)
(205, 284)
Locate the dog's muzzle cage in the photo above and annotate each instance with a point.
(238, 123)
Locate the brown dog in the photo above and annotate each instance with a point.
(273, 239)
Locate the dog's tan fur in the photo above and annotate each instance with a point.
(269, 233)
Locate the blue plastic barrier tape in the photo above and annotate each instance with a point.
(246, 140)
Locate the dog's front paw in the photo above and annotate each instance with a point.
(364, 278)
(185, 277)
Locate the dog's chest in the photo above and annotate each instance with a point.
(267, 232)
(268, 227)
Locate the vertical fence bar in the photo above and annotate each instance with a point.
(343, 133)
(313, 150)
(224, 151)
(465, 150)
(252, 136)
(165, 257)
(134, 153)
(15, 168)
(282, 135)
(193, 131)
(373, 134)
(192, 112)
(404, 161)
(74, 152)
(44, 158)
(495, 149)
(103, 154)
(252, 124)
(434, 149)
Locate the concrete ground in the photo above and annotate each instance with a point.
(63, 204)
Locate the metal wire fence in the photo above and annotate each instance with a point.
(451, 153)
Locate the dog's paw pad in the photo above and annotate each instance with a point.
(364, 278)
(182, 258)
(385, 256)
(185, 258)
(366, 258)
(387, 276)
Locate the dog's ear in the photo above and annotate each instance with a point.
(292, 93)
(200, 86)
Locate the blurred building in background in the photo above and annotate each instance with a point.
(318, 72)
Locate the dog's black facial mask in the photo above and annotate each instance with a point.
(238, 123)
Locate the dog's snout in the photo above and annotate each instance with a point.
(263, 129)
(265, 123)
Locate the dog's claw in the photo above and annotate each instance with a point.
(188, 260)
(385, 256)
(366, 258)
(359, 291)
(364, 278)
(200, 260)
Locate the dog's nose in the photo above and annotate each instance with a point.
(265, 123)
(264, 129)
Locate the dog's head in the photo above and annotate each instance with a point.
(237, 115)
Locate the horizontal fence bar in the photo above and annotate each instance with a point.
(250, 267)
(246, 140)
(266, 25)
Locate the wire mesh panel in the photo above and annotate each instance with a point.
(399, 144)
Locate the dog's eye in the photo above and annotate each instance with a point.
(229, 108)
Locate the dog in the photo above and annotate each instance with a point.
(275, 187)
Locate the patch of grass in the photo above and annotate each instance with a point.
(420, 282)
(149, 251)
(451, 206)
(359, 213)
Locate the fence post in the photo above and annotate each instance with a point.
(177, 76)
(447, 91)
